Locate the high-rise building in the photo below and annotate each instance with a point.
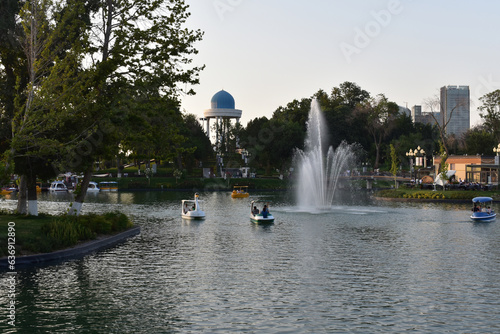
(455, 109)
(424, 117)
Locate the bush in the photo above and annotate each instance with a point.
(66, 231)
(97, 224)
(118, 221)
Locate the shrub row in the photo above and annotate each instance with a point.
(65, 231)
(430, 194)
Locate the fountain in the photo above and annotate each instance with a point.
(318, 175)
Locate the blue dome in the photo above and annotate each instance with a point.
(222, 100)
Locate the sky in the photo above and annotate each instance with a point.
(268, 53)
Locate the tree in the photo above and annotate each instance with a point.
(490, 113)
(349, 94)
(479, 140)
(52, 44)
(287, 137)
(394, 164)
(138, 49)
(195, 138)
(13, 69)
(435, 103)
(379, 114)
(443, 166)
(295, 111)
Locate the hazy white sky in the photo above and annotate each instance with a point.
(267, 53)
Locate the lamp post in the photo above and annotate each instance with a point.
(422, 154)
(419, 154)
(410, 154)
(497, 159)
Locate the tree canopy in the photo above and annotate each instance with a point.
(89, 75)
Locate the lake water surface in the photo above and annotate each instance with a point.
(375, 267)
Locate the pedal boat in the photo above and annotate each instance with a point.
(481, 209)
(240, 192)
(260, 218)
(191, 209)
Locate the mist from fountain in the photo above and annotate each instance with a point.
(318, 174)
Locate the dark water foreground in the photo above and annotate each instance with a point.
(377, 267)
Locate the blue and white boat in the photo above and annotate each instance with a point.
(481, 209)
(260, 216)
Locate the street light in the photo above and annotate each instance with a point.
(497, 149)
(497, 159)
(421, 160)
(419, 154)
(410, 154)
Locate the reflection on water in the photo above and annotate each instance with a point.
(388, 267)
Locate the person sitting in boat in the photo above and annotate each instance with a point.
(265, 211)
(255, 211)
(186, 209)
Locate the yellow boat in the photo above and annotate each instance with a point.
(240, 192)
(5, 192)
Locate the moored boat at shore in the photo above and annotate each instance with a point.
(5, 191)
(58, 186)
(108, 186)
(93, 187)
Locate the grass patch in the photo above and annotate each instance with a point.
(45, 233)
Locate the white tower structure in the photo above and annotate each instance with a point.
(222, 107)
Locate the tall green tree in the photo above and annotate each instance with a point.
(490, 113)
(138, 49)
(13, 75)
(349, 94)
(52, 51)
(479, 140)
(195, 138)
(379, 114)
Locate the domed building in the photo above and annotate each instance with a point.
(222, 100)
(222, 109)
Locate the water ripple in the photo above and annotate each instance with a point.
(390, 268)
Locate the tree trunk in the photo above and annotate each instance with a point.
(377, 142)
(80, 197)
(377, 155)
(32, 195)
(118, 170)
(22, 207)
(179, 161)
